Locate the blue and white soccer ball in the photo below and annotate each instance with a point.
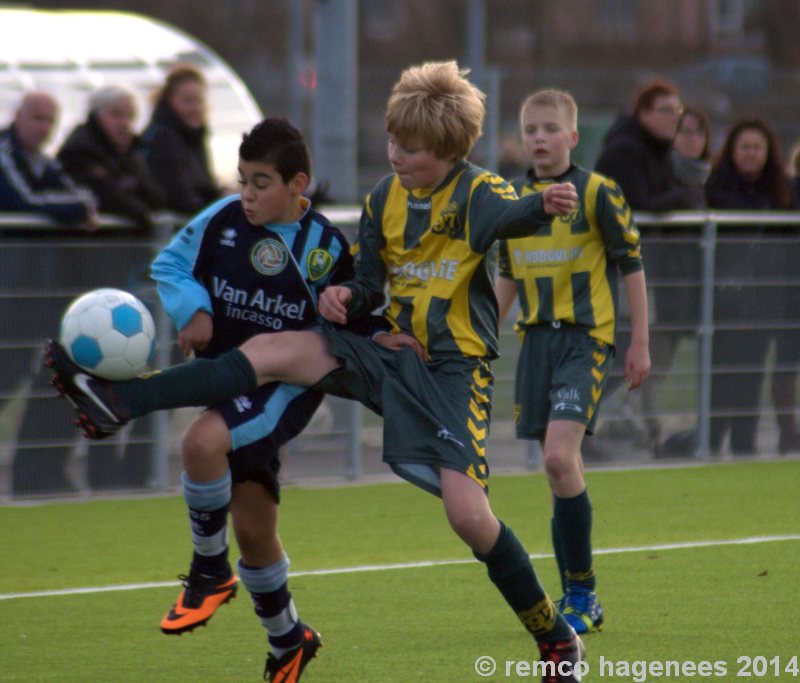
(109, 333)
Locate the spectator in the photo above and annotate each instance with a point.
(793, 169)
(748, 175)
(637, 151)
(691, 155)
(31, 181)
(637, 154)
(102, 154)
(174, 142)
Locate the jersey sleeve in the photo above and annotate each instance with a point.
(62, 200)
(621, 235)
(496, 212)
(181, 294)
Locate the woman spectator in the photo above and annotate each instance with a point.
(749, 175)
(691, 155)
(175, 141)
(102, 155)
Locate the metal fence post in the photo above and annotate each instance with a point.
(355, 456)
(534, 453)
(164, 227)
(706, 334)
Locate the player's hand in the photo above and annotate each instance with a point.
(400, 340)
(333, 303)
(560, 199)
(197, 334)
(637, 364)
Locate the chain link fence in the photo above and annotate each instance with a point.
(725, 330)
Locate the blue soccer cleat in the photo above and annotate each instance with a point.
(582, 609)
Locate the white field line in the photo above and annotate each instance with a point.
(414, 565)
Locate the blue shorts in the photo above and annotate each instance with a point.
(260, 423)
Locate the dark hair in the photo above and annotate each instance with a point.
(276, 141)
(705, 127)
(774, 175)
(647, 96)
(178, 74)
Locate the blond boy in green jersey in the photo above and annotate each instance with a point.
(566, 280)
(427, 231)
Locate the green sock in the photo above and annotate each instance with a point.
(573, 518)
(558, 550)
(510, 569)
(201, 382)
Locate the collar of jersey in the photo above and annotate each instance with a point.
(533, 179)
(422, 192)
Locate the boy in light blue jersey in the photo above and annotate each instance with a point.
(248, 264)
(566, 280)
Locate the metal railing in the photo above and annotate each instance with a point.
(44, 266)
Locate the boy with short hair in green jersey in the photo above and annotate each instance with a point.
(566, 279)
(427, 230)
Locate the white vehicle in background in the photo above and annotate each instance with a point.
(69, 53)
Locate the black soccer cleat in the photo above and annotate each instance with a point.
(92, 398)
(289, 667)
(562, 660)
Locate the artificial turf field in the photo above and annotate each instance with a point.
(676, 585)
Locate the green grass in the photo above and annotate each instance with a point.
(712, 603)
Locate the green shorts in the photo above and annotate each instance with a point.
(435, 414)
(561, 374)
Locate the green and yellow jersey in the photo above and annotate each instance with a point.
(433, 249)
(568, 273)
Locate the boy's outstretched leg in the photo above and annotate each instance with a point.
(510, 569)
(103, 407)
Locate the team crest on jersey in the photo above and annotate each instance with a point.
(448, 223)
(319, 264)
(269, 257)
(574, 218)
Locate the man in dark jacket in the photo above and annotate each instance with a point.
(32, 182)
(102, 154)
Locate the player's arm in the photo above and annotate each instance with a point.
(637, 357)
(185, 299)
(623, 250)
(506, 292)
(496, 206)
(504, 287)
(365, 292)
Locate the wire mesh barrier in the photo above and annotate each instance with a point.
(724, 294)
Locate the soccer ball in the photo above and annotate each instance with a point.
(109, 333)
